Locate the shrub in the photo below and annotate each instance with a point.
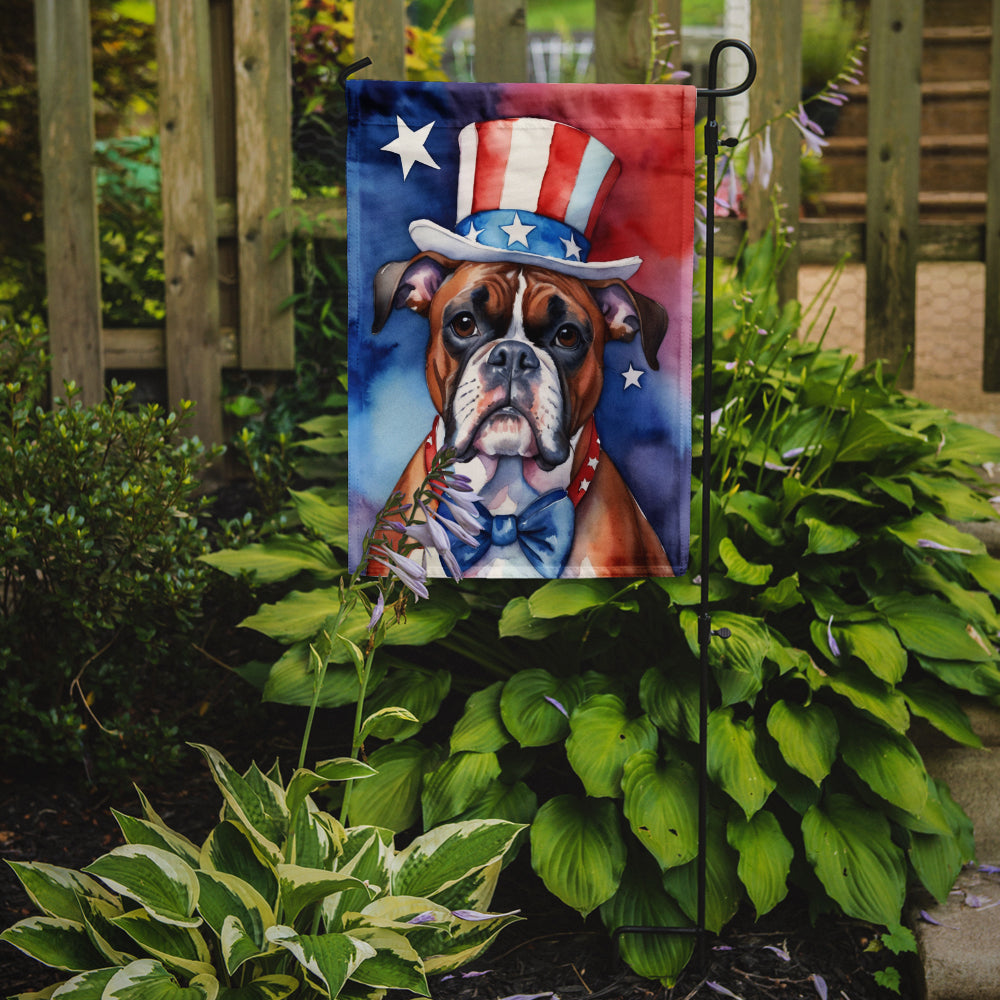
(99, 539)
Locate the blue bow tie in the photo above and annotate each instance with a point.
(543, 530)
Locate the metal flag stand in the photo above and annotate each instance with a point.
(705, 630)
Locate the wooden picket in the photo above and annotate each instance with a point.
(226, 160)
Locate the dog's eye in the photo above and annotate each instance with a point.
(567, 336)
(464, 324)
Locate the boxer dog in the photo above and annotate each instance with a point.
(514, 367)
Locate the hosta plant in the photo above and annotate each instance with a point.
(279, 900)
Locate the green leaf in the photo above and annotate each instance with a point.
(147, 979)
(601, 739)
(661, 799)
(54, 941)
(738, 569)
(415, 689)
(640, 901)
(560, 598)
(760, 512)
(870, 435)
(56, 891)
(976, 678)
(386, 722)
(783, 595)
(732, 760)
(578, 851)
(956, 500)
(331, 959)
(230, 849)
(141, 831)
(672, 701)
(928, 528)
(965, 443)
(888, 763)
(517, 620)
(225, 897)
(807, 736)
(292, 680)
(516, 803)
(164, 885)
(937, 860)
(327, 520)
(391, 798)
(181, 948)
(738, 661)
(301, 887)
(828, 539)
(275, 987)
(765, 858)
(850, 848)
(481, 727)
(986, 571)
(931, 628)
(304, 782)
(528, 710)
(395, 964)
(866, 692)
(279, 558)
(941, 709)
(876, 646)
(86, 986)
(456, 784)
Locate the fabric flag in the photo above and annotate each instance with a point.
(520, 281)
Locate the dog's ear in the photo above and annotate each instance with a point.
(408, 283)
(627, 313)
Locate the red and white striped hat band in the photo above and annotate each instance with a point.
(529, 191)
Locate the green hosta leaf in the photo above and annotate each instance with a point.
(456, 784)
(765, 858)
(54, 941)
(279, 558)
(671, 701)
(976, 678)
(723, 889)
(438, 859)
(418, 691)
(957, 501)
(292, 680)
(517, 620)
(783, 595)
(758, 511)
(931, 628)
(965, 443)
(159, 881)
(602, 738)
(141, 831)
(641, 901)
(828, 539)
(481, 728)
(304, 782)
(260, 809)
(927, 528)
(888, 763)
(276, 987)
(559, 598)
(986, 571)
(231, 850)
(937, 859)
(516, 803)
(226, 898)
(56, 891)
(86, 986)
(876, 646)
(975, 605)
(578, 851)
(180, 948)
(807, 736)
(386, 723)
(850, 848)
(391, 798)
(738, 569)
(870, 436)
(327, 520)
(864, 691)
(941, 709)
(330, 959)
(738, 661)
(301, 887)
(147, 979)
(732, 760)
(894, 489)
(395, 964)
(661, 799)
(535, 706)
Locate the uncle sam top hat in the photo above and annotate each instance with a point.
(530, 191)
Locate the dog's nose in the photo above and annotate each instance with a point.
(513, 358)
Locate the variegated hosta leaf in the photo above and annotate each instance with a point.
(807, 736)
(86, 986)
(329, 959)
(56, 891)
(642, 902)
(481, 727)
(225, 897)
(850, 847)
(141, 831)
(475, 891)
(732, 760)
(661, 805)
(441, 857)
(765, 858)
(395, 964)
(456, 784)
(467, 940)
(315, 838)
(602, 737)
(54, 941)
(275, 987)
(304, 782)
(256, 801)
(98, 915)
(149, 980)
(301, 887)
(230, 849)
(535, 706)
(177, 947)
(367, 853)
(578, 851)
(158, 880)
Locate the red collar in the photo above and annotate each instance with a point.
(581, 481)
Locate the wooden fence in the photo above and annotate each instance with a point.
(226, 161)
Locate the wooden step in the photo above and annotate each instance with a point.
(956, 53)
(957, 206)
(945, 12)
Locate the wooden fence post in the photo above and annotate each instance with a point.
(622, 40)
(262, 61)
(190, 251)
(991, 333)
(892, 215)
(776, 35)
(380, 34)
(501, 41)
(72, 255)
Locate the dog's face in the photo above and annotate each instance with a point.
(515, 356)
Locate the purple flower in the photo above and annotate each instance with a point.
(780, 952)
(834, 648)
(761, 163)
(558, 705)
(427, 917)
(820, 983)
(409, 572)
(377, 611)
(811, 132)
(475, 915)
(927, 543)
(719, 988)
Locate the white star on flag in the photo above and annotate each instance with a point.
(584, 485)
(632, 376)
(409, 146)
(473, 233)
(592, 462)
(517, 232)
(572, 250)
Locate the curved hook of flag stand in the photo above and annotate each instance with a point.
(705, 631)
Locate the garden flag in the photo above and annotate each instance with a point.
(520, 278)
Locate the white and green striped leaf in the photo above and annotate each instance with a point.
(225, 897)
(177, 947)
(329, 959)
(143, 831)
(86, 986)
(273, 987)
(229, 848)
(56, 891)
(395, 964)
(301, 887)
(146, 979)
(56, 942)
